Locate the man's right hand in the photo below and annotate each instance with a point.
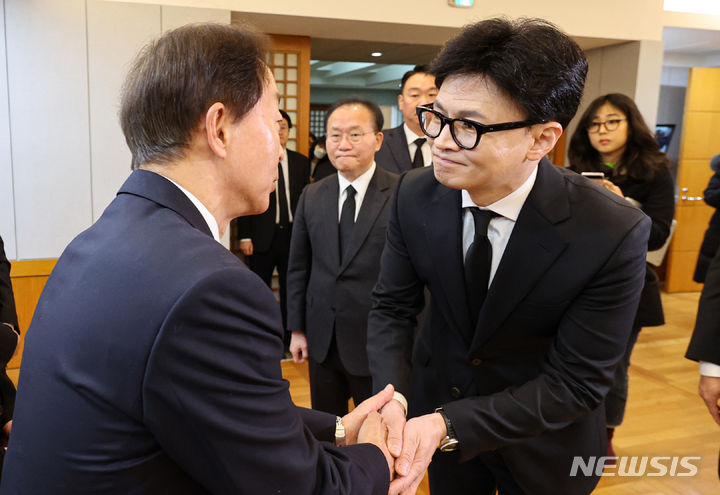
(246, 246)
(393, 415)
(373, 430)
(298, 346)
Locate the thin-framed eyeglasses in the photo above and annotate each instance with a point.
(610, 125)
(354, 137)
(465, 132)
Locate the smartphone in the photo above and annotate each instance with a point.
(594, 176)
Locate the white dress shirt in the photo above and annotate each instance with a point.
(425, 149)
(286, 177)
(500, 228)
(709, 369)
(360, 185)
(209, 218)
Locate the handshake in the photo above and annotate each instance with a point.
(408, 446)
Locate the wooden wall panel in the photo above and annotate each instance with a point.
(700, 138)
(28, 280)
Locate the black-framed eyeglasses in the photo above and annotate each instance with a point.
(465, 132)
(610, 125)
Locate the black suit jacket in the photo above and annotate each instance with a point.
(7, 301)
(529, 379)
(8, 338)
(393, 154)
(261, 228)
(324, 294)
(705, 341)
(152, 366)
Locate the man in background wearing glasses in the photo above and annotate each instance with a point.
(535, 275)
(338, 235)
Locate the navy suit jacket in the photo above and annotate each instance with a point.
(324, 295)
(393, 155)
(152, 365)
(528, 380)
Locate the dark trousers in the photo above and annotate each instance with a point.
(482, 475)
(276, 257)
(331, 386)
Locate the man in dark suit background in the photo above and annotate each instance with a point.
(705, 342)
(9, 336)
(406, 147)
(152, 364)
(265, 238)
(535, 275)
(338, 236)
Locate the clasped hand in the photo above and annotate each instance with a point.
(408, 446)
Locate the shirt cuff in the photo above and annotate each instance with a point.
(709, 369)
(402, 400)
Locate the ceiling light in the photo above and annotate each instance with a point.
(376, 54)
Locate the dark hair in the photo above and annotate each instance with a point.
(642, 157)
(534, 63)
(176, 78)
(418, 69)
(357, 100)
(287, 118)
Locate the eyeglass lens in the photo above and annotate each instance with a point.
(464, 133)
(610, 125)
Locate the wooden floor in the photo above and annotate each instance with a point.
(664, 417)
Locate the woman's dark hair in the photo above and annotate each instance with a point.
(176, 78)
(536, 65)
(642, 157)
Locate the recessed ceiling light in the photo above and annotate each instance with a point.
(376, 54)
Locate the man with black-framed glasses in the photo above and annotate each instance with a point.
(534, 273)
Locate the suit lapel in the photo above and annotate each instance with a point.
(443, 231)
(533, 246)
(375, 198)
(399, 150)
(329, 208)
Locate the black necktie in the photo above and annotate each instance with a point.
(477, 262)
(418, 160)
(282, 199)
(347, 220)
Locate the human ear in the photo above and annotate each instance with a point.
(216, 122)
(378, 140)
(544, 138)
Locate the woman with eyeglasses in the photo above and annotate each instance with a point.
(612, 138)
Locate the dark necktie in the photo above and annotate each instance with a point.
(477, 262)
(418, 161)
(347, 220)
(282, 199)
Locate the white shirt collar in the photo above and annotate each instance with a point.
(509, 206)
(360, 184)
(411, 136)
(209, 218)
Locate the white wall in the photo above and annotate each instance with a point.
(49, 123)
(7, 202)
(62, 153)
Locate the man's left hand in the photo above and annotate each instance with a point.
(709, 390)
